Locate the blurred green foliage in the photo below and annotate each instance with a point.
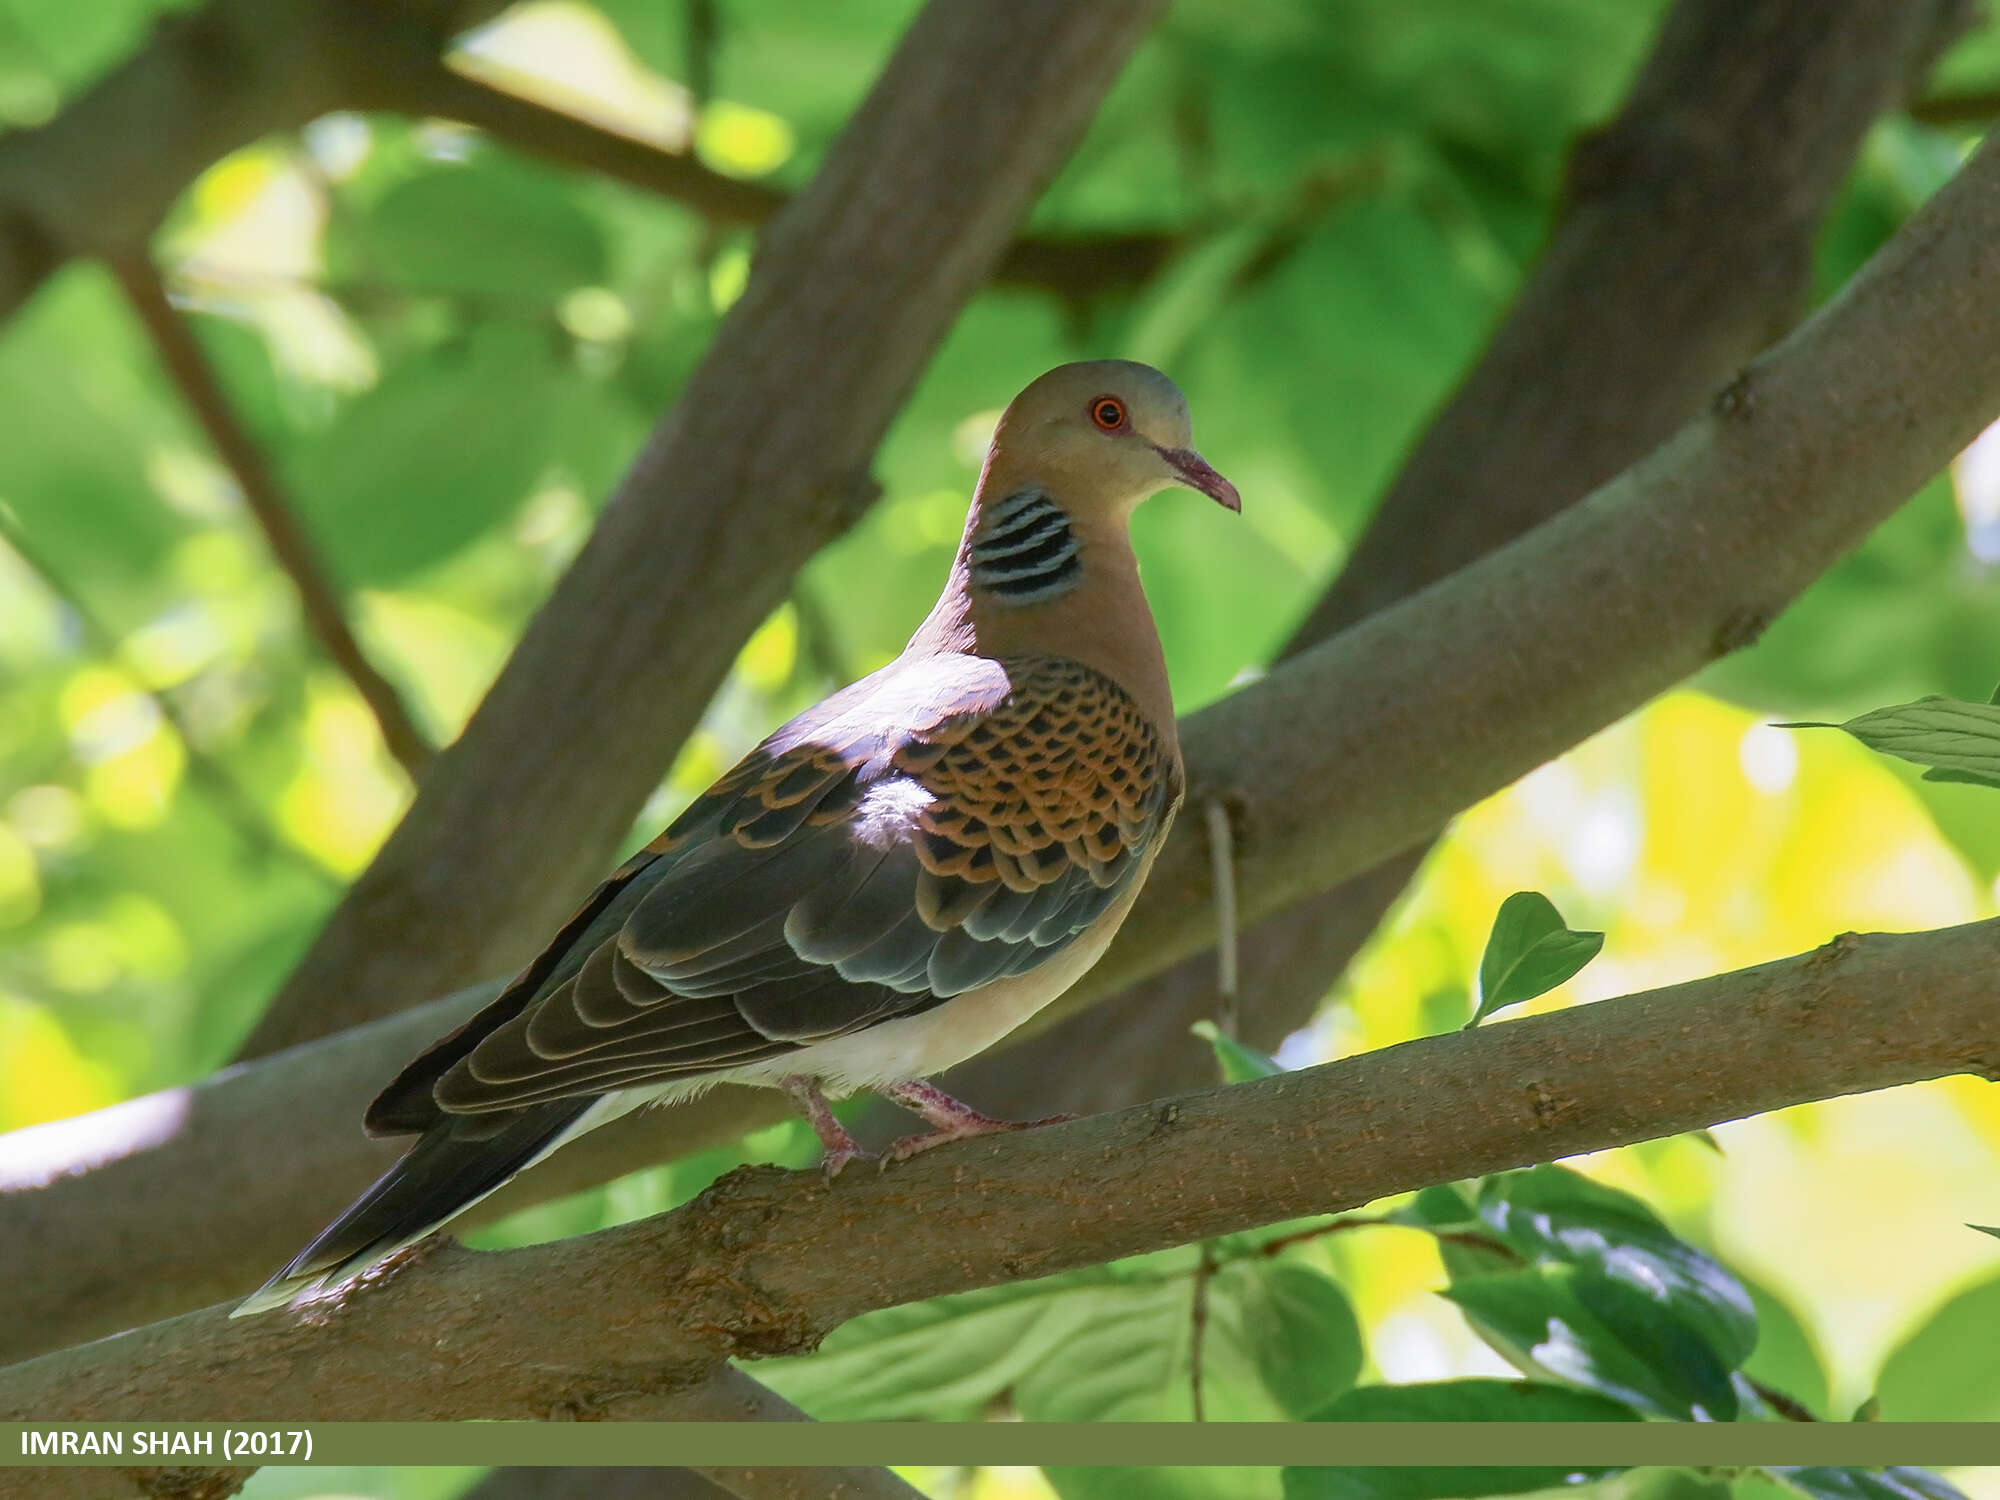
(449, 354)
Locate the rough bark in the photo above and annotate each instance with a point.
(761, 462)
(767, 1261)
(1683, 249)
(1352, 751)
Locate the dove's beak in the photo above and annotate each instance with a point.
(1196, 473)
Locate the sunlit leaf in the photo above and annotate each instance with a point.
(1555, 1216)
(1582, 1327)
(1105, 1344)
(1529, 953)
(1959, 741)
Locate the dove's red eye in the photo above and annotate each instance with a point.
(1108, 412)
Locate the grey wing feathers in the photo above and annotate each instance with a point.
(945, 823)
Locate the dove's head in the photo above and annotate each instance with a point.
(1103, 433)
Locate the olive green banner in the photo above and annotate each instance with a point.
(1115, 1444)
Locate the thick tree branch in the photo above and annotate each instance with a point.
(181, 355)
(759, 464)
(1687, 234)
(1360, 747)
(767, 1261)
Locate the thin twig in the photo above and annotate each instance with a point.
(1465, 1238)
(1789, 1407)
(237, 807)
(1204, 1273)
(1222, 871)
(181, 354)
(702, 28)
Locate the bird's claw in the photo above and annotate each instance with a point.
(839, 1156)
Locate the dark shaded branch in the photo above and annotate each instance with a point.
(759, 464)
(767, 1261)
(100, 176)
(1074, 267)
(325, 614)
(1357, 748)
(1683, 249)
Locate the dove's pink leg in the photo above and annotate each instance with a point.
(952, 1119)
(841, 1148)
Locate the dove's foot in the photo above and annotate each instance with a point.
(841, 1148)
(950, 1119)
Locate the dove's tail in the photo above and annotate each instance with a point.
(451, 1167)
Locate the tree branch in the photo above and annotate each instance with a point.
(1076, 268)
(1687, 233)
(99, 177)
(1355, 749)
(181, 355)
(758, 465)
(767, 1261)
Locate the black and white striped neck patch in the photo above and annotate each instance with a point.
(1025, 550)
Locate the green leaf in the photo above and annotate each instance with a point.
(1105, 1344)
(1985, 1229)
(1553, 1216)
(1301, 1333)
(1529, 953)
(1845, 1483)
(1945, 1371)
(490, 227)
(1582, 1327)
(1958, 740)
(1239, 1062)
(1962, 778)
(447, 446)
